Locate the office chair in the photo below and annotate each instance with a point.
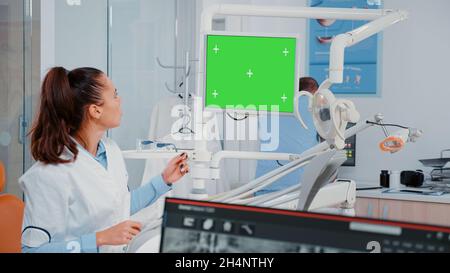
(11, 217)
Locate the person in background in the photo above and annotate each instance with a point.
(293, 139)
(308, 84)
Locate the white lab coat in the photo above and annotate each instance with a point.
(71, 200)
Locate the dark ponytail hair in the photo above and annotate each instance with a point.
(65, 98)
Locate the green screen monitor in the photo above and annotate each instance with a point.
(251, 73)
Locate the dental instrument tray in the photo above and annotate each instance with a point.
(429, 193)
(438, 163)
(440, 175)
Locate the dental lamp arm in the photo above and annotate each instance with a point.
(261, 199)
(219, 156)
(342, 41)
(263, 179)
(288, 12)
(266, 183)
(280, 172)
(338, 193)
(394, 142)
(414, 134)
(297, 105)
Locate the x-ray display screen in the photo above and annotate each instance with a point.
(203, 227)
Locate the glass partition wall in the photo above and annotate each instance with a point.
(19, 81)
(144, 36)
(140, 44)
(124, 38)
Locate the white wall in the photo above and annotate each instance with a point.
(47, 36)
(413, 92)
(142, 31)
(73, 35)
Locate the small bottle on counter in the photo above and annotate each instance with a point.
(394, 180)
(384, 179)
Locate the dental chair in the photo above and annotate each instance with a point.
(11, 217)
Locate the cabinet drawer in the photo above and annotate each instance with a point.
(415, 212)
(367, 208)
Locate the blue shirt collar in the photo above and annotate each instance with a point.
(101, 150)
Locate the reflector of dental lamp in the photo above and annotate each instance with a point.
(395, 142)
(330, 116)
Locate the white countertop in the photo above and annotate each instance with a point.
(379, 194)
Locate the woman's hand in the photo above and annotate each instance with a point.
(120, 234)
(176, 169)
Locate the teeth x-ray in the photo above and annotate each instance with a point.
(205, 242)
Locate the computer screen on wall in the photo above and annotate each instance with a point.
(203, 227)
(250, 73)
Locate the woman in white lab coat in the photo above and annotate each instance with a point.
(76, 195)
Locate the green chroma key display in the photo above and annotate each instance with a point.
(243, 71)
